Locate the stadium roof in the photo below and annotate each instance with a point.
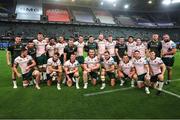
(134, 5)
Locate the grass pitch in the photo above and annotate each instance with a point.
(71, 103)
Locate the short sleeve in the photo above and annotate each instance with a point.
(173, 45)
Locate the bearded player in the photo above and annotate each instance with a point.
(91, 67)
(26, 64)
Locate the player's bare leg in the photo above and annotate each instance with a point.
(85, 79)
(169, 74)
(76, 75)
(14, 79)
(103, 73)
(121, 76)
(36, 74)
(160, 84)
(59, 78)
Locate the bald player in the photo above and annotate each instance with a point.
(168, 52)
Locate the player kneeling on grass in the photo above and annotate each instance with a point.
(54, 70)
(26, 64)
(108, 68)
(157, 70)
(91, 67)
(71, 71)
(126, 70)
(142, 71)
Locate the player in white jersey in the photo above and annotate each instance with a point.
(26, 64)
(108, 68)
(130, 46)
(41, 57)
(60, 45)
(91, 67)
(140, 47)
(101, 43)
(80, 50)
(142, 71)
(50, 47)
(126, 70)
(71, 71)
(157, 70)
(54, 70)
(110, 46)
(168, 52)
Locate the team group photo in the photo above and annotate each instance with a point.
(89, 59)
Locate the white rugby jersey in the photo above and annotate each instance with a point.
(101, 46)
(155, 65)
(23, 63)
(107, 63)
(139, 65)
(91, 62)
(71, 66)
(60, 47)
(126, 67)
(40, 47)
(80, 48)
(168, 46)
(50, 49)
(110, 46)
(130, 48)
(142, 49)
(52, 63)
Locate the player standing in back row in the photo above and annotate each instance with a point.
(101, 42)
(168, 52)
(130, 46)
(41, 57)
(155, 45)
(13, 52)
(80, 50)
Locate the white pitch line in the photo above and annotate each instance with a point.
(107, 91)
(171, 93)
(123, 89)
(175, 80)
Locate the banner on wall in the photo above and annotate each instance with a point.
(104, 17)
(56, 13)
(29, 10)
(83, 16)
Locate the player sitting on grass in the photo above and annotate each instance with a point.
(126, 70)
(91, 67)
(26, 64)
(142, 71)
(108, 68)
(157, 70)
(54, 70)
(71, 71)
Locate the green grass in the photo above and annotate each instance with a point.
(71, 103)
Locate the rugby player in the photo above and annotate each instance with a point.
(41, 57)
(108, 68)
(168, 52)
(157, 71)
(142, 71)
(91, 67)
(14, 51)
(54, 70)
(126, 70)
(26, 64)
(71, 71)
